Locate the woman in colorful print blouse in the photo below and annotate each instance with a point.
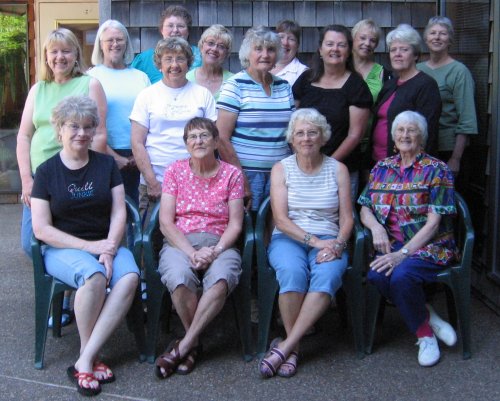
(201, 215)
(407, 206)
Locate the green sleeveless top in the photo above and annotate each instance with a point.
(44, 144)
(374, 80)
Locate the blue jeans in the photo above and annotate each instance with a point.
(404, 287)
(297, 270)
(73, 266)
(260, 185)
(26, 231)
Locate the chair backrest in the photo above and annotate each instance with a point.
(464, 231)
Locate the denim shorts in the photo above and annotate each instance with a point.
(297, 270)
(74, 266)
(260, 185)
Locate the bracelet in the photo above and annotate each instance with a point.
(341, 244)
(307, 238)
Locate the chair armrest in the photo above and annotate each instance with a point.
(134, 220)
(38, 262)
(248, 241)
(260, 231)
(359, 239)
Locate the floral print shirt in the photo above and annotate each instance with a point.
(202, 204)
(422, 188)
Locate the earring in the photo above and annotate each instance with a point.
(394, 149)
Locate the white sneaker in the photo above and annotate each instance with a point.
(443, 330)
(428, 352)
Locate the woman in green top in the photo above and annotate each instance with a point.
(456, 87)
(61, 75)
(215, 46)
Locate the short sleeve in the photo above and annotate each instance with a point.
(170, 185)
(140, 112)
(236, 185)
(230, 97)
(442, 193)
(298, 86)
(40, 189)
(359, 94)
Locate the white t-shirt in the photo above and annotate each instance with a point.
(164, 111)
(292, 71)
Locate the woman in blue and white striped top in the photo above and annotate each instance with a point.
(312, 209)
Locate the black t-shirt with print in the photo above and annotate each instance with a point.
(80, 200)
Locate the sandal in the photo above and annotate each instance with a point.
(103, 373)
(289, 367)
(82, 381)
(168, 361)
(267, 369)
(189, 361)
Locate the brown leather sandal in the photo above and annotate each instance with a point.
(168, 361)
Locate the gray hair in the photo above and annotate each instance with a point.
(217, 31)
(97, 53)
(260, 35)
(311, 116)
(445, 22)
(411, 117)
(367, 24)
(407, 34)
(75, 108)
(175, 45)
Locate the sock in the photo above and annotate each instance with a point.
(425, 329)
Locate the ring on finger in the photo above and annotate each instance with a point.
(391, 265)
(324, 255)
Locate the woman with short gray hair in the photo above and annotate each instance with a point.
(254, 108)
(112, 56)
(456, 86)
(412, 90)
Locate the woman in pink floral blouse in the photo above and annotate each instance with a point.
(407, 206)
(201, 216)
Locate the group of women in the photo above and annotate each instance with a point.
(207, 144)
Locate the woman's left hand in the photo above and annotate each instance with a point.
(326, 255)
(202, 258)
(107, 260)
(387, 263)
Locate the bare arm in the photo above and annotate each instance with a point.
(346, 221)
(138, 140)
(226, 121)
(358, 119)
(458, 151)
(233, 229)
(96, 93)
(380, 238)
(24, 136)
(121, 161)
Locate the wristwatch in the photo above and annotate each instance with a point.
(405, 252)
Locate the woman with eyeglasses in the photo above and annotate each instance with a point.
(79, 213)
(160, 113)
(175, 21)
(215, 46)
(198, 263)
(312, 209)
(111, 56)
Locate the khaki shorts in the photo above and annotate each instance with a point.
(175, 266)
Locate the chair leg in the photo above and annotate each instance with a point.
(462, 302)
(373, 298)
(241, 302)
(354, 291)
(268, 286)
(57, 303)
(135, 324)
(154, 304)
(43, 298)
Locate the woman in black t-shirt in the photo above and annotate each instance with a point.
(336, 90)
(79, 212)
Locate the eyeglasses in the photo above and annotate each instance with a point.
(309, 134)
(220, 46)
(202, 137)
(409, 131)
(172, 60)
(180, 27)
(118, 41)
(75, 128)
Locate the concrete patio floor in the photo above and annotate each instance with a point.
(328, 369)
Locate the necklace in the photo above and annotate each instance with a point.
(178, 92)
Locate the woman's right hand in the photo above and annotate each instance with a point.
(381, 241)
(27, 187)
(202, 258)
(154, 190)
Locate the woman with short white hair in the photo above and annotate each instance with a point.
(254, 108)
(412, 90)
